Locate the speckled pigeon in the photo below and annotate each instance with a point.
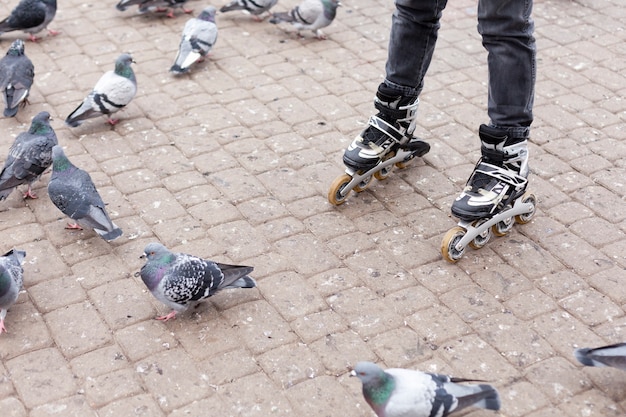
(31, 16)
(178, 279)
(409, 393)
(199, 36)
(74, 193)
(10, 281)
(254, 7)
(29, 156)
(310, 15)
(113, 91)
(154, 6)
(16, 77)
(611, 355)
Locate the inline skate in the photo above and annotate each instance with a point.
(495, 196)
(386, 142)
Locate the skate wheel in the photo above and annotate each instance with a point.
(334, 193)
(502, 228)
(525, 218)
(450, 239)
(400, 165)
(365, 182)
(384, 173)
(482, 239)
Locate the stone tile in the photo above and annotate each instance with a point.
(260, 326)
(291, 295)
(254, 395)
(400, 347)
(554, 375)
(143, 339)
(36, 382)
(471, 302)
(99, 361)
(75, 406)
(138, 405)
(103, 389)
(27, 332)
(591, 307)
(364, 311)
(319, 258)
(438, 324)
(340, 351)
(12, 407)
(56, 293)
(122, 303)
(522, 398)
(317, 325)
(77, 329)
(529, 304)
(290, 364)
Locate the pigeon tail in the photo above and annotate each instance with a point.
(110, 235)
(10, 112)
(18, 255)
(177, 69)
(581, 356)
(230, 7)
(243, 282)
(5, 193)
(281, 17)
(491, 400)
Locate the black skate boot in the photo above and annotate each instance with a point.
(391, 128)
(499, 178)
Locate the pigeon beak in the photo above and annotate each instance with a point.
(143, 255)
(353, 373)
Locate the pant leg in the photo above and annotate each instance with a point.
(507, 29)
(415, 25)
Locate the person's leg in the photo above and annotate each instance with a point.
(414, 28)
(500, 176)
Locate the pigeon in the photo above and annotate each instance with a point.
(409, 393)
(255, 7)
(29, 156)
(310, 15)
(31, 16)
(612, 355)
(179, 279)
(16, 77)
(74, 193)
(199, 36)
(113, 91)
(10, 281)
(154, 6)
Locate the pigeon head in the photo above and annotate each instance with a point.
(208, 14)
(377, 384)
(330, 8)
(155, 251)
(158, 260)
(16, 48)
(123, 68)
(59, 160)
(40, 123)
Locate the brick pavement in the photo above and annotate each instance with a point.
(233, 162)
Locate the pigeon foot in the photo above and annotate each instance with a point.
(171, 315)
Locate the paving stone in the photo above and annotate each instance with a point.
(591, 307)
(109, 387)
(27, 331)
(291, 296)
(260, 326)
(75, 406)
(99, 361)
(254, 395)
(138, 405)
(36, 381)
(77, 329)
(12, 407)
(339, 352)
(290, 364)
(365, 312)
(325, 390)
(529, 304)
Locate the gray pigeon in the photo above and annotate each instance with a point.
(409, 393)
(154, 6)
(178, 279)
(31, 16)
(113, 91)
(611, 355)
(254, 7)
(199, 36)
(310, 15)
(74, 193)
(16, 77)
(29, 156)
(10, 281)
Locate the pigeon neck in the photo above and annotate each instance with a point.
(39, 128)
(124, 70)
(378, 391)
(5, 283)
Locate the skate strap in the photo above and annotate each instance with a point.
(500, 174)
(386, 128)
(492, 154)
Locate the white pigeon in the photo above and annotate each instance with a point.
(310, 15)
(199, 36)
(255, 7)
(113, 91)
(611, 355)
(410, 393)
